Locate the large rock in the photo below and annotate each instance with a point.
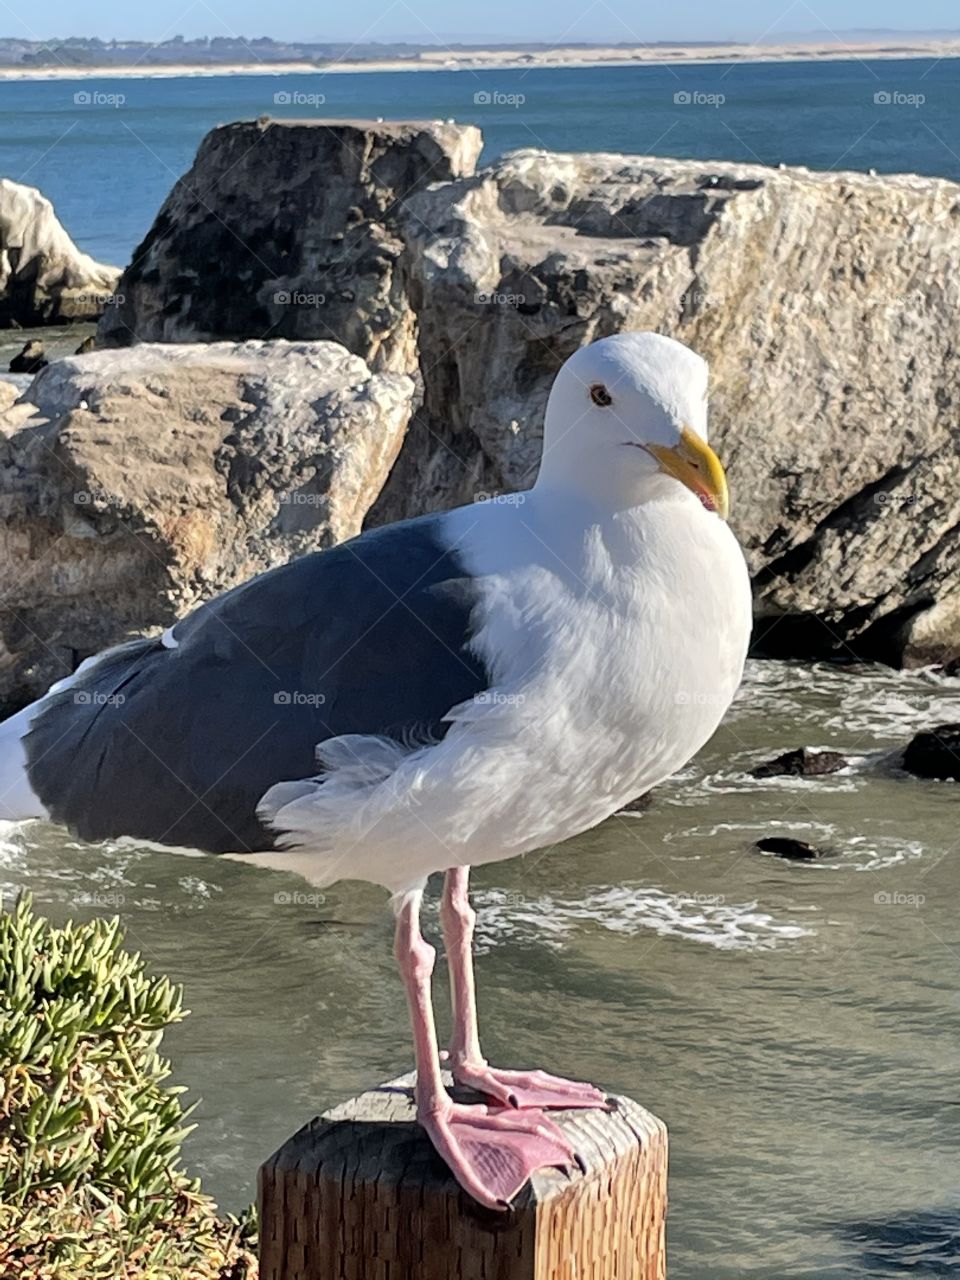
(44, 278)
(824, 303)
(147, 480)
(288, 229)
(823, 306)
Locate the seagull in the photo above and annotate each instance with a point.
(439, 693)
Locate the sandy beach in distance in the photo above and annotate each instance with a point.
(441, 59)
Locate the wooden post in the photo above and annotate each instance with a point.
(360, 1194)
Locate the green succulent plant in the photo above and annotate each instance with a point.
(91, 1184)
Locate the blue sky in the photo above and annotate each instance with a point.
(426, 20)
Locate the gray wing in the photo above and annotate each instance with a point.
(178, 744)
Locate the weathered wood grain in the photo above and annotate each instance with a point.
(360, 1194)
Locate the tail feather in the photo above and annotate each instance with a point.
(18, 801)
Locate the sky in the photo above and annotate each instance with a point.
(428, 21)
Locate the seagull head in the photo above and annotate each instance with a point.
(627, 420)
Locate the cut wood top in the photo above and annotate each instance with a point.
(374, 1137)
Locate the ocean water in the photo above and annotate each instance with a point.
(795, 1024)
(107, 151)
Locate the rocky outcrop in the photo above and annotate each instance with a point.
(934, 753)
(287, 229)
(44, 278)
(147, 480)
(801, 763)
(824, 303)
(30, 359)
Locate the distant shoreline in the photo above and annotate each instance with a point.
(482, 60)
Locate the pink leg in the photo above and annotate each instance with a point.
(491, 1152)
(510, 1088)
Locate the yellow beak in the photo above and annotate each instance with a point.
(694, 464)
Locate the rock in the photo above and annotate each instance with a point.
(13, 411)
(934, 753)
(310, 240)
(148, 479)
(44, 278)
(30, 359)
(825, 317)
(792, 850)
(640, 804)
(822, 301)
(801, 763)
(9, 395)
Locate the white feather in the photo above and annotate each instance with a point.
(17, 799)
(613, 666)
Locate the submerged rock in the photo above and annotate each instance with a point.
(935, 753)
(149, 479)
(44, 278)
(801, 763)
(639, 804)
(792, 850)
(30, 359)
(818, 298)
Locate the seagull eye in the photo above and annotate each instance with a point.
(600, 395)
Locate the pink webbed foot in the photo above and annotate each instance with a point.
(492, 1151)
(535, 1089)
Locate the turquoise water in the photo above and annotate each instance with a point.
(108, 165)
